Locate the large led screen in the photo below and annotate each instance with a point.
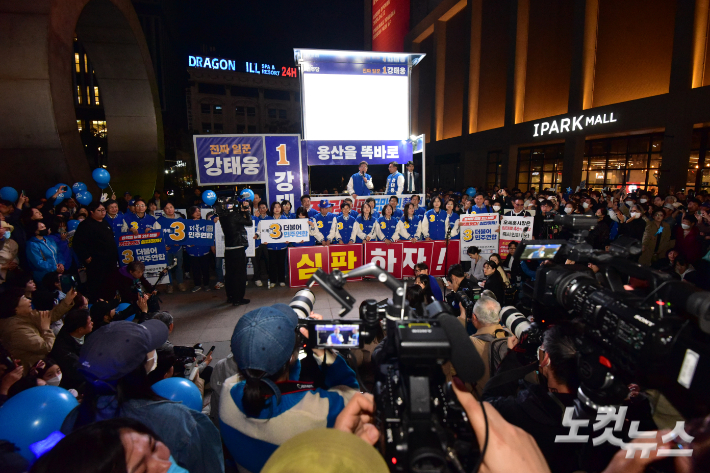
(359, 106)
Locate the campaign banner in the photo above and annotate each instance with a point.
(351, 152)
(345, 258)
(147, 248)
(443, 256)
(284, 230)
(387, 256)
(219, 241)
(480, 230)
(190, 232)
(283, 168)
(303, 261)
(380, 201)
(229, 159)
(413, 253)
(514, 229)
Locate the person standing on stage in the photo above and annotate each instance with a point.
(360, 183)
(395, 181)
(411, 179)
(233, 221)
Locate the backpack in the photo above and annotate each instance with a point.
(497, 348)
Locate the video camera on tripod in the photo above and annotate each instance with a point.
(640, 325)
(424, 427)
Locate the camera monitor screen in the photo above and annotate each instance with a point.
(338, 335)
(541, 251)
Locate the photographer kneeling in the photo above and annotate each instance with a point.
(457, 281)
(265, 404)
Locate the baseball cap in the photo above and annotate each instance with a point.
(264, 338)
(131, 202)
(118, 348)
(324, 204)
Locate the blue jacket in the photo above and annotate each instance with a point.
(325, 225)
(276, 246)
(43, 256)
(116, 222)
(190, 435)
(398, 214)
(365, 227)
(436, 223)
(345, 228)
(252, 440)
(388, 228)
(435, 289)
(312, 212)
(66, 253)
(141, 224)
(410, 227)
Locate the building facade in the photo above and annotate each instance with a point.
(551, 93)
(234, 102)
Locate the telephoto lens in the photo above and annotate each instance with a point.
(513, 320)
(303, 302)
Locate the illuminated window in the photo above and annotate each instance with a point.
(699, 163)
(77, 62)
(86, 63)
(217, 110)
(88, 95)
(96, 95)
(80, 125)
(98, 128)
(78, 94)
(539, 167)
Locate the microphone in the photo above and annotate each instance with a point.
(464, 357)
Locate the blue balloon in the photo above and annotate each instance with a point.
(78, 187)
(72, 224)
(247, 194)
(84, 197)
(471, 192)
(209, 197)
(180, 390)
(50, 192)
(67, 193)
(122, 306)
(33, 414)
(9, 193)
(101, 176)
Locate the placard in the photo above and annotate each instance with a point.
(304, 261)
(229, 159)
(514, 229)
(345, 258)
(387, 256)
(147, 248)
(190, 232)
(480, 230)
(284, 230)
(283, 168)
(413, 253)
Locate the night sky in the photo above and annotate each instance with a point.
(266, 31)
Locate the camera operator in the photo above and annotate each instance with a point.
(538, 408)
(265, 404)
(233, 221)
(486, 318)
(541, 230)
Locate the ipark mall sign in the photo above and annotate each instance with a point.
(564, 125)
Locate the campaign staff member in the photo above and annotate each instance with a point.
(419, 211)
(360, 183)
(325, 222)
(173, 252)
(140, 221)
(353, 212)
(344, 224)
(306, 204)
(286, 209)
(387, 229)
(408, 225)
(396, 213)
(436, 222)
(335, 338)
(365, 225)
(480, 208)
(114, 216)
(199, 258)
(371, 202)
(314, 234)
(452, 219)
(277, 251)
(395, 181)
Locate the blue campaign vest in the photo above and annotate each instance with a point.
(345, 227)
(387, 227)
(365, 226)
(359, 185)
(392, 183)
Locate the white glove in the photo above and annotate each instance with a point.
(104, 197)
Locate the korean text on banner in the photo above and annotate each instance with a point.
(190, 232)
(479, 230)
(147, 248)
(304, 261)
(283, 230)
(514, 229)
(352, 152)
(387, 256)
(413, 253)
(399, 259)
(345, 258)
(283, 169)
(229, 159)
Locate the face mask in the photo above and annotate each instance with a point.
(44, 232)
(613, 216)
(7, 235)
(629, 202)
(175, 468)
(152, 362)
(643, 201)
(635, 214)
(55, 381)
(585, 205)
(685, 226)
(496, 208)
(568, 210)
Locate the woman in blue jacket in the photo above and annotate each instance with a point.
(42, 253)
(314, 234)
(141, 221)
(199, 257)
(277, 251)
(437, 220)
(173, 252)
(345, 222)
(452, 220)
(365, 225)
(387, 225)
(408, 225)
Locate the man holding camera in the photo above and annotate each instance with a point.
(233, 221)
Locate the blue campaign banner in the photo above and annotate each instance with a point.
(283, 169)
(189, 232)
(229, 159)
(353, 151)
(147, 248)
(366, 69)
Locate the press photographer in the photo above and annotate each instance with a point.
(234, 215)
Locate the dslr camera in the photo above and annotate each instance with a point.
(423, 426)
